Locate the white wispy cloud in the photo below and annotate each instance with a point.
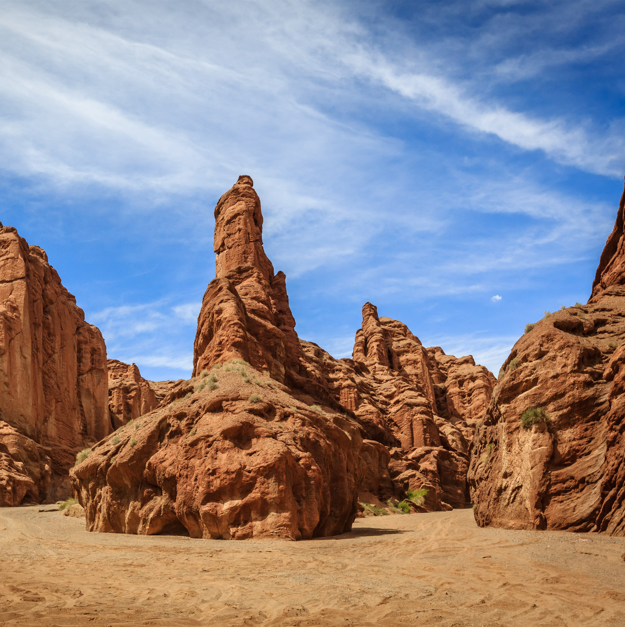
(496, 298)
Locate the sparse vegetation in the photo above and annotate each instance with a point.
(80, 458)
(204, 373)
(188, 395)
(255, 398)
(416, 496)
(534, 416)
(193, 431)
(293, 408)
(133, 442)
(258, 382)
(613, 345)
(199, 388)
(113, 460)
(130, 423)
(404, 507)
(563, 308)
(265, 373)
(502, 371)
(317, 409)
(116, 440)
(578, 305)
(213, 378)
(67, 504)
(529, 326)
(547, 314)
(514, 364)
(212, 385)
(217, 366)
(374, 510)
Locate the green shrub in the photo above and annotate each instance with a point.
(188, 395)
(216, 366)
(529, 326)
(193, 431)
(115, 440)
(80, 458)
(212, 386)
(113, 460)
(534, 416)
(200, 387)
(133, 442)
(67, 504)
(317, 409)
(204, 373)
(213, 378)
(416, 496)
(404, 506)
(563, 308)
(130, 423)
(265, 373)
(255, 398)
(547, 314)
(258, 382)
(613, 345)
(578, 305)
(514, 363)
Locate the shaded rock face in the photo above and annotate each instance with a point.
(565, 471)
(52, 368)
(130, 395)
(221, 463)
(419, 403)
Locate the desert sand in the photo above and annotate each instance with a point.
(423, 569)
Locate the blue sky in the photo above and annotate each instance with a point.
(459, 164)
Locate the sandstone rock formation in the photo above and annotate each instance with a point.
(223, 463)
(418, 402)
(273, 437)
(130, 395)
(563, 468)
(52, 371)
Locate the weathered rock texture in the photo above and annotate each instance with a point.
(245, 312)
(419, 403)
(130, 395)
(53, 375)
(223, 464)
(238, 454)
(566, 472)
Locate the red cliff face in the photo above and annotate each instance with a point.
(549, 452)
(53, 372)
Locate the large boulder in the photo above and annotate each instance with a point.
(53, 370)
(549, 453)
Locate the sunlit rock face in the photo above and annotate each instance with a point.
(53, 373)
(560, 466)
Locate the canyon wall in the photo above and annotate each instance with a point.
(549, 453)
(53, 376)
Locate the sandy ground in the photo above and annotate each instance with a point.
(422, 569)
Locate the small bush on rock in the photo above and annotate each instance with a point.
(534, 416)
(255, 398)
(514, 364)
(529, 326)
(115, 440)
(317, 408)
(133, 442)
(67, 504)
(416, 496)
(80, 458)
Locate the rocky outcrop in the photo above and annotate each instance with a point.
(419, 403)
(130, 395)
(273, 437)
(549, 452)
(233, 455)
(245, 311)
(53, 371)
(25, 469)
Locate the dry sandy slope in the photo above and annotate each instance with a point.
(428, 569)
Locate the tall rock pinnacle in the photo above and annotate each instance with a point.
(245, 312)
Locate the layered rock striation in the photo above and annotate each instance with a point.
(53, 376)
(549, 453)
